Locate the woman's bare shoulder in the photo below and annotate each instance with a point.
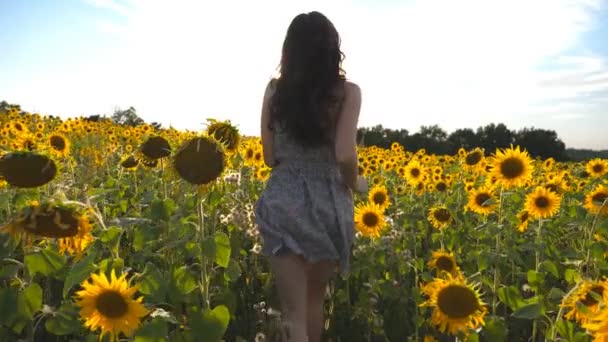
(351, 90)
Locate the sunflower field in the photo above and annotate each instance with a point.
(111, 232)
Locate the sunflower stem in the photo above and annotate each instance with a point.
(204, 287)
(590, 238)
(497, 253)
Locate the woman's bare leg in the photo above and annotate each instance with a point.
(291, 279)
(318, 275)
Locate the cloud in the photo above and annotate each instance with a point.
(419, 62)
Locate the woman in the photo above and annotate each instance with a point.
(305, 214)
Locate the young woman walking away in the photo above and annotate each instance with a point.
(305, 214)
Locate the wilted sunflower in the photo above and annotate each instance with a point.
(440, 217)
(155, 148)
(597, 200)
(482, 201)
(597, 167)
(59, 144)
(109, 305)
(27, 169)
(200, 160)
(129, 163)
(379, 195)
(512, 167)
(444, 262)
(457, 306)
(225, 133)
(584, 302)
(69, 226)
(542, 203)
(369, 219)
(523, 219)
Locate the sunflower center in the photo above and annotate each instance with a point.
(445, 263)
(111, 304)
(589, 299)
(415, 172)
(599, 198)
(541, 202)
(442, 215)
(457, 301)
(551, 187)
(473, 158)
(512, 168)
(524, 216)
(370, 219)
(57, 143)
(598, 168)
(379, 198)
(441, 186)
(249, 154)
(482, 198)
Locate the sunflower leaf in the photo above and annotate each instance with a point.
(64, 321)
(183, 280)
(79, 272)
(33, 298)
(222, 249)
(211, 325)
(153, 283)
(530, 311)
(153, 331)
(45, 262)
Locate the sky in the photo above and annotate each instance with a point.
(464, 63)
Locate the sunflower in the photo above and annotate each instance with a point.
(444, 262)
(108, 304)
(129, 162)
(596, 202)
(27, 169)
(262, 173)
(542, 203)
(457, 306)
(584, 302)
(369, 219)
(512, 167)
(379, 195)
(440, 217)
(70, 227)
(482, 201)
(414, 172)
(597, 167)
(523, 219)
(548, 163)
(474, 159)
(200, 160)
(224, 132)
(441, 186)
(59, 144)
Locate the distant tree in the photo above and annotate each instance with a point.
(494, 136)
(463, 137)
(127, 117)
(541, 143)
(576, 154)
(5, 107)
(432, 138)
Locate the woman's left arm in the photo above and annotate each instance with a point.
(267, 134)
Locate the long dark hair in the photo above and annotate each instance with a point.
(308, 86)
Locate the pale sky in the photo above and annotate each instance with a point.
(465, 63)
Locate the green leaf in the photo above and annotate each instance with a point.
(45, 262)
(154, 331)
(510, 296)
(222, 251)
(572, 275)
(495, 330)
(111, 235)
(530, 311)
(211, 325)
(79, 272)
(65, 321)
(473, 337)
(33, 299)
(161, 210)
(183, 280)
(153, 282)
(535, 279)
(597, 250)
(208, 247)
(556, 294)
(550, 267)
(9, 298)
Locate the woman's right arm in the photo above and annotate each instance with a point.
(346, 136)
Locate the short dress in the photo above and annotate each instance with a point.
(306, 208)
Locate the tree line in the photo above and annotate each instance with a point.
(538, 142)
